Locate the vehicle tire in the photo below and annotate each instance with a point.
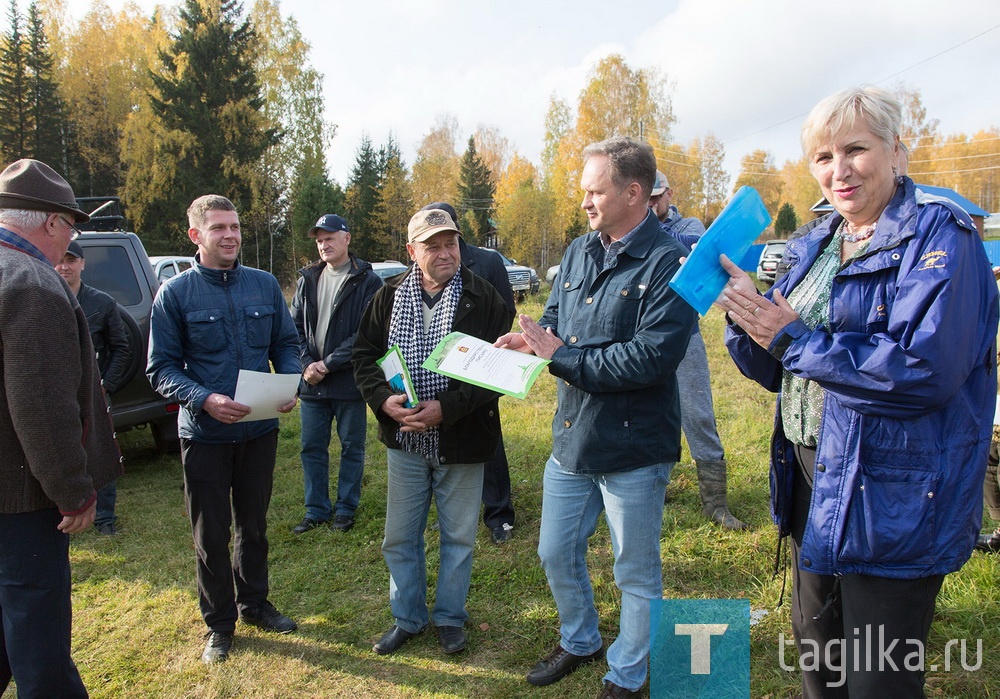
(136, 346)
(165, 437)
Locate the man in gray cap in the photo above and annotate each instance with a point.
(56, 436)
(330, 297)
(694, 379)
(686, 231)
(107, 332)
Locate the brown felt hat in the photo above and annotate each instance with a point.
(33, 185)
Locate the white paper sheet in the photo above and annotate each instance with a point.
(265, 393)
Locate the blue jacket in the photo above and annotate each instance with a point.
(352, 299)
(908, 364)
(687, 231)
(625, 331)
(206, 325)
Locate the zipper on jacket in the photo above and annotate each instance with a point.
(236, 328)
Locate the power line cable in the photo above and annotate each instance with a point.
(918, 63)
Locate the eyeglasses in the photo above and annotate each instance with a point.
(72, 227)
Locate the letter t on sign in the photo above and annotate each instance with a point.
(701, 644)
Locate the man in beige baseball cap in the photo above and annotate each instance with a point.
(436, 448)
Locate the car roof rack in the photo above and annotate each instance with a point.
(105, 213)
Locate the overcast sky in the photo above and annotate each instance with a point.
(745, 71)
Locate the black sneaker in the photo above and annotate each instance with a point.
(989, 543)
(342, 523)
(307, 524)
(559, 663)
(217, 648)
(267, 618)
(502, 534)
(107, 529)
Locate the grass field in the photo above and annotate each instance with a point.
(138, 633)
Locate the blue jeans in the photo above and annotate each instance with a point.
(457, 489)
(317, 416)
(632, 502)
(106, 498)
(694, 386)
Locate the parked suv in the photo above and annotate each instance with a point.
(770, 256)
(117, 264)
(165, 267)
(523, 280)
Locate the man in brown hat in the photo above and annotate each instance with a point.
(55, 434)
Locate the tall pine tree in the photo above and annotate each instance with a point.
(14, 105)
(475, 192)
(362, 197)
(48, 130)
(206, 118)
(392, 213)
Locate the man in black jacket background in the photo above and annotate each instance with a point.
(329, 299)
(107, 332)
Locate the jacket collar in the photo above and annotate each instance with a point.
(895, 224)
(12, 240)
(357, 266)
(217, 276)
(642, 241)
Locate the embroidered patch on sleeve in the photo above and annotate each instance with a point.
(935, 259)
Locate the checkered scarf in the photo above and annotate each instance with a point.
(406, 329)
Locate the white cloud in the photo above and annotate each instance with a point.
(738, 68)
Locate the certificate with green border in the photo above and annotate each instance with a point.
(469, 359)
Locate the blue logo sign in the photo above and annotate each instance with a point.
(699, 648)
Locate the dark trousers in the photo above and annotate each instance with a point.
(223, 484)
(35, 607)
(856, 612)
(497, 507)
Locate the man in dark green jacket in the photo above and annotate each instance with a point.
(438, 447)
(107, 332)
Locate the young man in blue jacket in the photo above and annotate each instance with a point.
(208, 323)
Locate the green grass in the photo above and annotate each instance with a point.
(138, 633)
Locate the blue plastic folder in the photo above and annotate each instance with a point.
(701, 278)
